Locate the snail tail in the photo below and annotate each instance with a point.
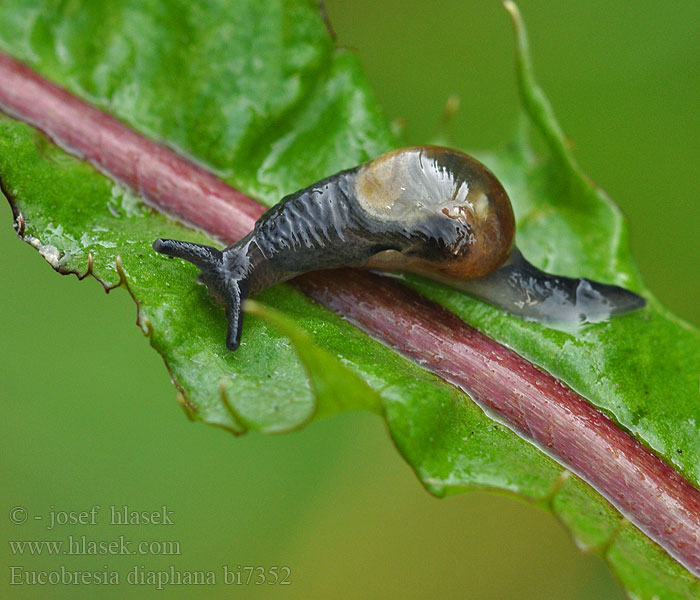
(524, 290)
(228, 285)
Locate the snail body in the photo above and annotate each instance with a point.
(428, 210)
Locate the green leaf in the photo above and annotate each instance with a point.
(257, 93)
(335, 387)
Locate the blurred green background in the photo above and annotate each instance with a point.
(89, 413)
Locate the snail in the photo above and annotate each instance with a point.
(428, 210)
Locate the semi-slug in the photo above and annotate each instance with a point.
(428, 210)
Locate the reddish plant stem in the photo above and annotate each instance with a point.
(642, 486)
(171, 183)
(540, 408)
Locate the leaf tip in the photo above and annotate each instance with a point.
(253, 307)
(19, 225)
(538, 108)
(190, 411)
(512, 8)
(239, 424)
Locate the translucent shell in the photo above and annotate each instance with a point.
(452, 199)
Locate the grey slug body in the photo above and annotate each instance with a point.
(428, 210)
